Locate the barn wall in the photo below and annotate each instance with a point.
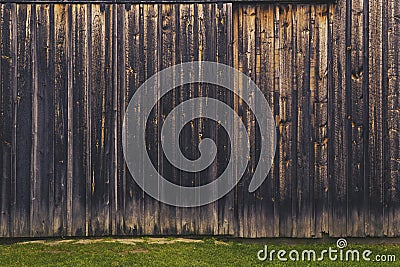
(329, 72)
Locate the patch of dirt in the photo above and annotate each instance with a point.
(217, 242)
(171, 241)
(126, 241)
(54, 243)
(89, 241)
(32, 242)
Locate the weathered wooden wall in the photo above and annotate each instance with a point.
(329, 72)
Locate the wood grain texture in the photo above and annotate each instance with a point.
(60, 119)
(376, 155)
(321, 113)
(338, 173)
(7, 69)
(393, 11)
(330, 73)
(355, 124)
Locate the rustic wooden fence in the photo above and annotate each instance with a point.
(330, 73)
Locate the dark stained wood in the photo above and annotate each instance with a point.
(339, 113)
(238, 52)
(376, 155)
(305, 77)
(267, 200)
(150, 52)
(208, 28)
(120, 182)
(23, 176)
(385, 101)
(7, 67)
(99, 98)
(247, 65)
(224, 55)
(170, 218)
(114, 137)
(43, 153)
(393, 11)
(70, 115)
(354, 79)
(80, 120)
(60, 119)
(284, 85)
(134, 73)
(321, 60)
(330, 73)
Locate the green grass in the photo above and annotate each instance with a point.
(170, 252)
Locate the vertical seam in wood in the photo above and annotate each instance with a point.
(15, 112)
(34, 163)
(70, 124)
(366, 172)
(114, 119)
(385, 85)
(88, 116)
(348, 104)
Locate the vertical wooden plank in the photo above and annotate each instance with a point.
(284, 80)
(43, 120)
(191, 220)
(208, 214)
(60, 118)
(113, 200)
(35, 193)
(238, 64)
(100, 60)
(366, 108)
(79, 123)
(393, 117)
(275, 111)
(150, 60)
(266, 197)
(23, 122)
(134, 71)
(96, 93)
(313, 80)
(51, 110)
(119, 62)
(14, 14)
(7, 65)
(170, 217)
(235, 58)
(108, 124)
(385, 119)
(88, 92)
(224, 55)
(338, 156)
(321, 112)
(247, 56)
(354, 80)
(69, 179)
(376, 155)
(297, 53)
(258, 195)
